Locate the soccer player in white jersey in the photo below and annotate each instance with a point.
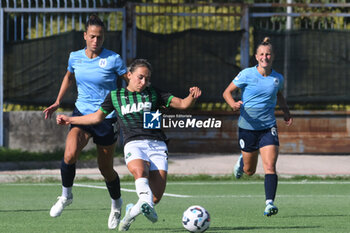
(145, 150)
(95, 70)
(261, 87)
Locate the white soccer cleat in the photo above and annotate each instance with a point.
(114, 218)
(127, 220)
(238, 169)
(62, 202)
(270, 209)
(149, 212)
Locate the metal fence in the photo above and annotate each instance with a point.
(23, 20)
(33, 19)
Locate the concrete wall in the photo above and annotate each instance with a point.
(313, 132)
(29, 131)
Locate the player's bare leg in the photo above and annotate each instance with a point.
(157, 183)
(105, 164)
(140, 170)
(76, 140)
(250, 160)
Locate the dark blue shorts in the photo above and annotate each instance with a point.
(252, 140)
(104, 134)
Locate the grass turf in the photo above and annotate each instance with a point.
(304, 206)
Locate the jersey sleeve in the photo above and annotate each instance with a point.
(70, 63)
(165, 97)
(240, 80)
(107, 105)
(120, 67)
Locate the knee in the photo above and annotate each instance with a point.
(108, 174)
(139, 173)
(70, 157)
(249, 172)
(105, 168)
(270, 169)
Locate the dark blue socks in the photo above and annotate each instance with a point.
(270, 186)
(67, 174)
(114, 188)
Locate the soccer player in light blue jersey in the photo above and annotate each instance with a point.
(95, 70)
(261, 88)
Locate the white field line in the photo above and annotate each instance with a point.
(209, 183)
(257, 182)
(127, 190)
(207, 196)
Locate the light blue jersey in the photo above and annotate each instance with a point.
(95, 78)
(259, 97)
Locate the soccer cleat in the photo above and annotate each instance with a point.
(126, 221)
(56, 209)
(238, 169)
(114, 218)
(149, 212)
(270, 209)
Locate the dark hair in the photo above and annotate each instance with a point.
(266, 42)
(139, 63)
(94, 20)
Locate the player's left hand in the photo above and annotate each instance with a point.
(62, 120)
(195, 92)
(288, 121)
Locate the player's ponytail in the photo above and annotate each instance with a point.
(94, 20)
(265, 42)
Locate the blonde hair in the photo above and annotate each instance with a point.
(265, 42)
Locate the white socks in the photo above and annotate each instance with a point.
(67, 192)
(269, 201)
(145, 195)
(144, 191)
(117, 204)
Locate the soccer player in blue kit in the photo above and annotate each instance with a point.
(261, 88)
(95, 70)
(145, 150)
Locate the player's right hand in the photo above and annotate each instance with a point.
(237, 105)
(50, 110)
(62, 120)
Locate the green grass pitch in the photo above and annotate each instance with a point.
(234, 206)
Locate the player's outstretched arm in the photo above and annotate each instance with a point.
(185, 103)
(66, 83)
(235, 105)
(90, 119)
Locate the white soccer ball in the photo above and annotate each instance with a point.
(196, 219)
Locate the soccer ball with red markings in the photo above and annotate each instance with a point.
(196, 219)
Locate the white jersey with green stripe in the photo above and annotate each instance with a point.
(130, 107)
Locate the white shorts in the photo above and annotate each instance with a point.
(153, 151)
